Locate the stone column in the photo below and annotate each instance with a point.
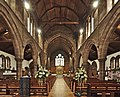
(86, 66)
(19, 67)
(45, 59)
(102, 68)
(75, 61)
(48, 63)
(35, 66)
(71, 64)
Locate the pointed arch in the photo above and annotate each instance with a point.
(108, 31)
(9, 18)
(59, 35)
(87, 48)
(33, 46)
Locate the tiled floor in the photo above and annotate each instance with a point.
(60, 89)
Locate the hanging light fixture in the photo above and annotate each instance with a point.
(39, 31)
(95, 4)
(27, 5)
(81, 31)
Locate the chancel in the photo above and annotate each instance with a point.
(59, 48)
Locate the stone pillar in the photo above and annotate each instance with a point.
(71, 64)
(19, 67)
(45, 59)
(86, 66)
(102, 68)
(35, 66)
(48, 63)
(41, 58)
(75, 61)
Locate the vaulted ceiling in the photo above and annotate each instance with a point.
(61, 16)
(57, 16)
(66, 15)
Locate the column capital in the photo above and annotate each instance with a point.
(19, 67)
(18, 59)
(86, 63)
(102, 59)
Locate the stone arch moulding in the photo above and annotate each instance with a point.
(80, 60)
(114, 20)
(60, 35)
(33, 47)
(87, 48)
(17, 41)
(78, 55)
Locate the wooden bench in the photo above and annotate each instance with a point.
(51, 80)
(12, 87)
(104, 89)
(69, 81)
(98, 88)
(39, 89)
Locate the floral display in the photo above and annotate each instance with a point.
(42, 73)
(80, 75)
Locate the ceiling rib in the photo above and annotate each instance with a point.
(84, 3)
(38, 1)
(60, 7)
(65, 18)
(45, 9)
(56, 25)
(52, 22)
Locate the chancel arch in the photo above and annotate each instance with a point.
(60, 45)
(60, 35)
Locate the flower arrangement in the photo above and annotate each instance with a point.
(80, 75)
(42, 73)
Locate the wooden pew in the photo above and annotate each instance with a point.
(12, 87)
(100, 88)
(42, 89)
(104, 89)
(51, 80)
(69, 81)
(39, 89)
(9, 87)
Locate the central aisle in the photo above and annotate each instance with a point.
(60, 89)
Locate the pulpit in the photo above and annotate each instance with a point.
(24, 87)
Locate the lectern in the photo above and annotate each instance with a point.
(24, 87)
